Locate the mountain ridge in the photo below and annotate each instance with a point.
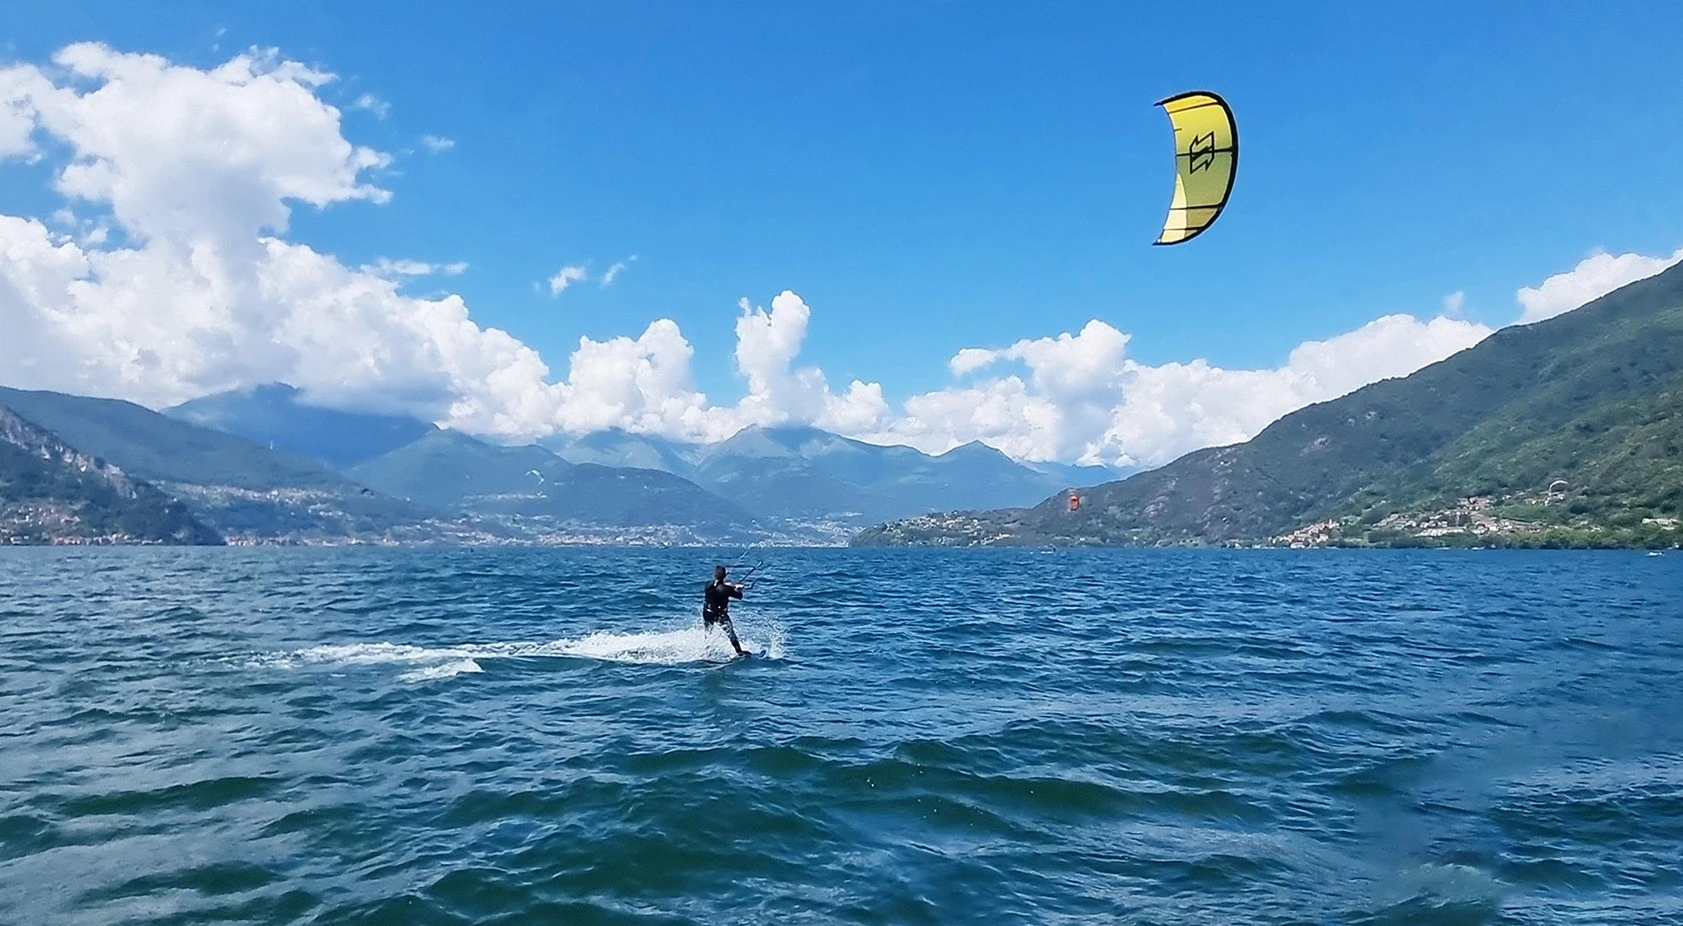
(453, 472)
(243, 490)
(789, 472)
(1396, 460)
(51, 492)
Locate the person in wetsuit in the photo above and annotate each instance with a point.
(715, 607)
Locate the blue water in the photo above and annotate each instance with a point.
(531, 736)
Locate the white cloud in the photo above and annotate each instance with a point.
(179, 154)
(1455, 303)
(18, 87)
(437, 143)
(613, 272)
(387, 267)
(1084, 400)
(197, 171)
(767, 344)
(371, 103)
(1594, 277)
(564, 278)
(640, 384)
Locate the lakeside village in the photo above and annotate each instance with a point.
(1552, 518)
(1528, 519)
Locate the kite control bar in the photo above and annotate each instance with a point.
(737, 561)
(751, 570)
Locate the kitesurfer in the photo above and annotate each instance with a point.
(715, 608)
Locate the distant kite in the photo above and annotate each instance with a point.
(1206, 157)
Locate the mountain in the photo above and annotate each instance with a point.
(616, 447)
(988, 477)
(51, 492)
(275, 416)
(806, 474)
(448, 470)
(1569, 430)
(764, 470)
(802, 472)
(239, 487)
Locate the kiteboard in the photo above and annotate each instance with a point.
(734, 658)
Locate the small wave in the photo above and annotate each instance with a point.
(672, 647)
(442, 670)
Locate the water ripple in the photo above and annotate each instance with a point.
(515, 736)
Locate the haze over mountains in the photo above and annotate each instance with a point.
(264, 464)
(448, 471)
(276, 415)
(1564, 432)
(791, 473)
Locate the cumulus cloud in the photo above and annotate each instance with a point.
(767, 344)
(564, 278)
(1083, 399)
(196, 172)
(612, 273)
(437, 143)
(1594, 277)
(642, 384)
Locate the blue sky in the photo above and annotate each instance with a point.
(936, 176)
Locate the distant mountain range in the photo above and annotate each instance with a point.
(262, 465)
(1564, 432)
(798, 474)
(450, 471)
(805, 473)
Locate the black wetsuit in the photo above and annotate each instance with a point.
(715, 608)
(716, 601)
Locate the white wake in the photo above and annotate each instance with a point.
(426, 663)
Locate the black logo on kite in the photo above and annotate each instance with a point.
(1202, 152)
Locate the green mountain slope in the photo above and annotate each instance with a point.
(50, 492)
(1578, 415)
(159, 448)
(240, 487)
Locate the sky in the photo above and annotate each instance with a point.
(918, 223)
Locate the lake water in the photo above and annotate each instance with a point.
(544, 735)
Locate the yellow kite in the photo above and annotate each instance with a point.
(1206, 157)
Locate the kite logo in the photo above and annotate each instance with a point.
(1201, 152)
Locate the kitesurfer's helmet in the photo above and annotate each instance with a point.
(718, 573)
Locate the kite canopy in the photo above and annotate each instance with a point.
(1206, 156)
